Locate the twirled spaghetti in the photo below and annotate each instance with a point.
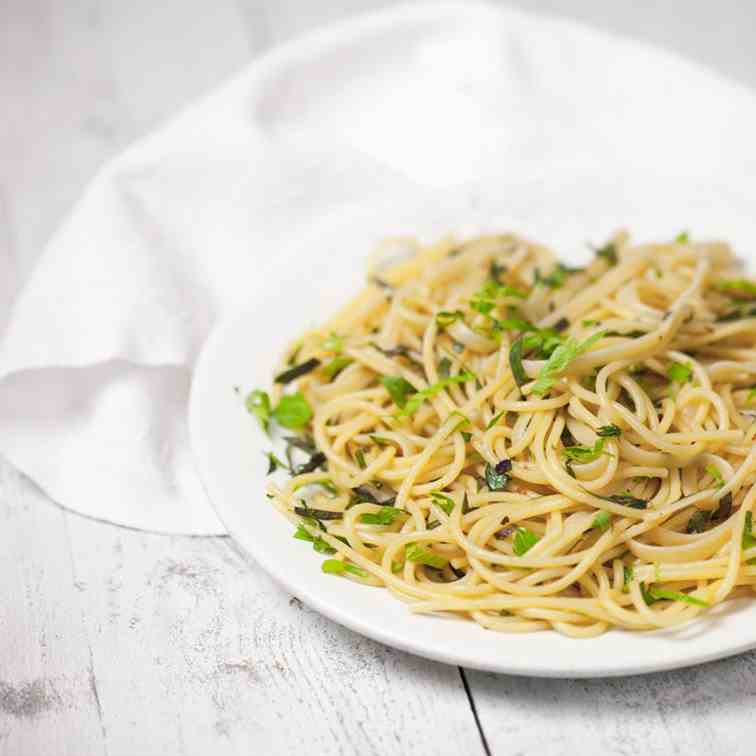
(531, 446)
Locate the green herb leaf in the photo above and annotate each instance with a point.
(445, 318)
(625, 500)
(384, 516)
(359, 455)
(697, 522)
(338, 567)
(317, 514)
(751, 395)
(333, 344)
(740, 288)
(274, 463)
(679, 373)
(442, 500)
(416, 553)
(682, 238)
(318, 459)
(293, 411)
(602, 520)
(748, 538)
(444, 367)
(496, 477)
(399, 389)
(590, 323)
(628, 575)
(560, 359)
(656, 594)
(608, 431)
(515, 362)
(523, 541)
(298, 370)
(584, 454)
(608, 252)
(258, 404)
(318, 544)
(495, 419)
(336, 365)
(555, 279)
(713, 470)
(417, 399)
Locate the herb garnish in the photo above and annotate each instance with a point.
(585, 454)
(608, 252)
(679, 373)
(317, 514)
(321, 546)
(713, 470)
(418, 398)
(523, 541)
(384, 516)
(293, 411)
(298, 370)
(258, 404)
(626, 500)
(602, 520)
(318, 459)
(740, 288)
(651, 594)
(608, 431)
(339, 567)
(336, 365)
(274, 463)
(495, 419)
(560, 359)
(413, 552)
(698, 521)
(497, 476)
(399, 389)
(442, 500)
(445, 318)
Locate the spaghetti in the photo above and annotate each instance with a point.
(489, 433)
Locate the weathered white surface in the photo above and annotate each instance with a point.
(122, 643)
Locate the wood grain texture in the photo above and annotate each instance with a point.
(704, 710)
(119, 642)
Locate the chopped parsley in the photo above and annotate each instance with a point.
(651, 594)
(442, 500)
(274, 463)
(740, 288)
(414, 402)
(585, 454)
(399, 389)
(560, 359)
(495, 419)
(258, 404)
(359, 455)
(523, 541)
(682, 238)
(384, 516)
(608, 431)
(601, 521)
(333, 344)
(298, 370)
(317, 542)
(413, 552)
(497, 476)
(339, 567)
(748, 537)
(677, 372)
(445, 318)
(608, 252)
(336, 365)
(293, 411)
(698, 521)
(713, 470)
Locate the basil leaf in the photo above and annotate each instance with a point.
(515, 362)
(656, 594)
(682, 238)
(317, 514)
(496, 481)
(739, 288)
(495, 419)
(293, 411)
(274, 463)
(333, 344)
(713, 470)
(625, 500)
(609, 253)
(318, 459)
(444, 367)
(698, 521)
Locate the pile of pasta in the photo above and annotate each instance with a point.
(487, 432)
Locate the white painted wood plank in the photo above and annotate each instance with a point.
(48, 698)
(169, 53)
(704, 711)
(197, 652)
(60, 115)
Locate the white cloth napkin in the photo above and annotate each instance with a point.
(421, 102)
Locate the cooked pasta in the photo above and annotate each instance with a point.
(489, 433)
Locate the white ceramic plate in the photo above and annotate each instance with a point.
(229, 446)
(493, 133)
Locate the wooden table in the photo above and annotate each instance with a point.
(124, 643)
